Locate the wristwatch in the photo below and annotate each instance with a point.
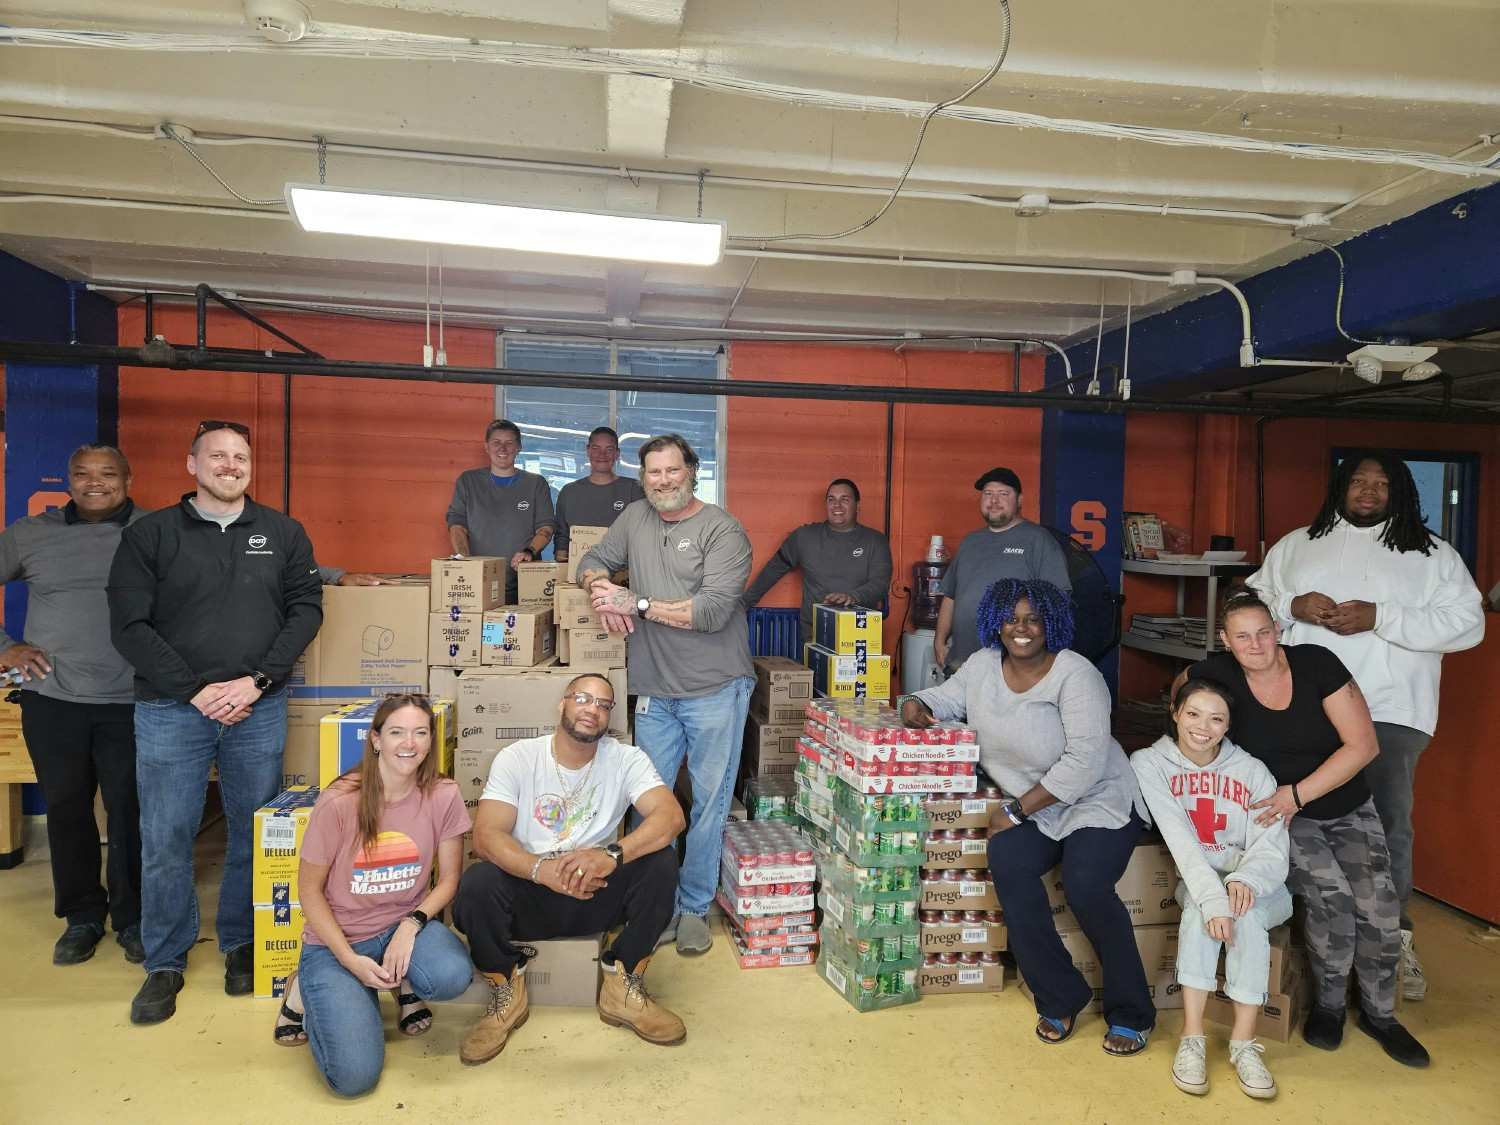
(419, 918)
(641, 606)
(615, 852)
(1013, 811)
(261, 680)
(530, 553)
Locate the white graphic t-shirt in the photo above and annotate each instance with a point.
(567, 810)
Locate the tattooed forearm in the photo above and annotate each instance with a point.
(677, 613)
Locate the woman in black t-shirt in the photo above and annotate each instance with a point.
(1301, 713)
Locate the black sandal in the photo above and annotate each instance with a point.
(291, 1033)
(406, 1000)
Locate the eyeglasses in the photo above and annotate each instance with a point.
(584, 699)
(209, 426)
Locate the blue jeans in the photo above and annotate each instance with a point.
(1247, 963)
(708, 731)
(174, 746)
(342, 1016)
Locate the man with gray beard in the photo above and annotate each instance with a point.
(689, 651)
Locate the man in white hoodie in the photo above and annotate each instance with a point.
(1368, 581)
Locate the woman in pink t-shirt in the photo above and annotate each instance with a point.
(366, 887)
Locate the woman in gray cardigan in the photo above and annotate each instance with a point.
(1043, 716)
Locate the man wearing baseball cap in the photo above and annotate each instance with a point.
(1006, 547)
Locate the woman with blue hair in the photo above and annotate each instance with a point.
(1043, 716)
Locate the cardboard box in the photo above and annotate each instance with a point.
(858, 677)
(373, 640)
(1148, 889)
(15, 759)
(536, 581)
(1287, 960)
(472, 772)
(770, 748)
(855, 630)
(278, 945)
(581, 540)
(960, 812)
(443, 682)
(517, 636)
(470, 585)
(964, 937)
(589, 648)
(1158, 948)
(970, 894)
(276, 840)
(1279, 1016)
(341, 737)
(299, 760)
(572, 608)
(453, 639)
(944, 979)
(565, 973)
(496, 706)
(782, 689)
(953, 854)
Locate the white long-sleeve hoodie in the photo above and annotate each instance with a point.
(1425, 605)
(1203, 813)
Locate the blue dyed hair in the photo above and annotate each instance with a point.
(998, 606)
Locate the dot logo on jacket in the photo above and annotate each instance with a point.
(256, 545)
(523, 505)
(858, 551)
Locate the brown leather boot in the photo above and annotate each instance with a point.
(508, 1010)
(624, 1002)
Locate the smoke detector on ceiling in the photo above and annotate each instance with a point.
(280, 21)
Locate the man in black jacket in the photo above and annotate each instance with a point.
(212, 601)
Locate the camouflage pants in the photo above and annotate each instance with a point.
(1342, 870)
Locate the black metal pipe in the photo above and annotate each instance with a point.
(200, 297)
(150, 316)
(167, 357)
(286, 444)
(890, 447)
(205, 291)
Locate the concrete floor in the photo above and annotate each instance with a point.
(773, 1044)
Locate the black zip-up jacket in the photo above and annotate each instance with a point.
(192, 604)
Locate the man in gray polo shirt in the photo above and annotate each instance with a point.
(843, 562)
(1006, 547)
(598, 499)
(501, 511)
(77, 703)
(689, 651)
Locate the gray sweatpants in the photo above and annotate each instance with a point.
(1391, 777)
(1342, 870)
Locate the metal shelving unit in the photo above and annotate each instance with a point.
(1208, 572)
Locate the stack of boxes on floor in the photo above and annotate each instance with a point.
(1287, 990)
(963, 931)
(15, 769)
(766, 875)
(845, 655)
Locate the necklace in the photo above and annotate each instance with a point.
(1267, 691)
(570, 794)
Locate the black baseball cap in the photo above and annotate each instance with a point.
(999, 476)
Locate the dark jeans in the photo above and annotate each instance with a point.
(494, 907)
(77, 748)
(1093, 860)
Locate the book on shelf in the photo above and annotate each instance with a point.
(1143, 536)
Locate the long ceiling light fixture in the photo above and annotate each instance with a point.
(506, 226)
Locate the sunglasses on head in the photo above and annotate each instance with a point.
(209, 426)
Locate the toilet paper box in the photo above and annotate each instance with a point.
(341, 737)
(373, 640)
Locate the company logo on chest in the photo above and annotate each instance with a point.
(258, 544)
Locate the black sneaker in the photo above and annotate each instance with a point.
(157, 999)
(129, 939)
(77, 943)
(239, 971)
(1395, 1041)
(1324, 1028)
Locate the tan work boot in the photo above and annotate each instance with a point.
(508, 1010)
(624, 1002)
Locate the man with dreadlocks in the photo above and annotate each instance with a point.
(1368, 581)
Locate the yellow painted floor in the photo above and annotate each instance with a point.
(774, 1045)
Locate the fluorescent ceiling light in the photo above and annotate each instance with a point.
(506, 226)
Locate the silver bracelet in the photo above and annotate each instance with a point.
(541, 859)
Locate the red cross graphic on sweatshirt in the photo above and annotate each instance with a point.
(1204, 820)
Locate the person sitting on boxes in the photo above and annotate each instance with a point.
(366, 887)
(552, 867)
(1042, 712)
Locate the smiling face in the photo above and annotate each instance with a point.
(1000, 505)
(502, 447)
(1252, 637)
(220, 462)
(842, 507)
(1024, 637)
(403, 742)
(586, 722)
(98, 483)
(1368, 498)
(1202, 719)
(667, 480)
(603, 451)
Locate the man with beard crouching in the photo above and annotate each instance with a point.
(689, 651)
(553, 867)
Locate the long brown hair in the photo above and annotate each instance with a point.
(366, 776)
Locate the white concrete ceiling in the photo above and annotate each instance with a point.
(801, 114)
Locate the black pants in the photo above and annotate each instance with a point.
(494, 907)
(77, 748)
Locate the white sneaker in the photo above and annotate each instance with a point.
(1190, 1067)
(1255, 1079)
(1413, 982)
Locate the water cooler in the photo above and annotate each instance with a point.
(919, 668)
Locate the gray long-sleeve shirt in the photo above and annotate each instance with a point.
(856, 562)
(1025, 550)
(705, 557)
(501, 519)
(1055, 733)
(65, 562)
(586, 504)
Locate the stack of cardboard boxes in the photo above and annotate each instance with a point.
(470, 628)
(15, 770)
(766, 875)
(582, 641)
(774, 722)
(962, 929)
(279, 828)
(845, 655)
(1287, 991)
